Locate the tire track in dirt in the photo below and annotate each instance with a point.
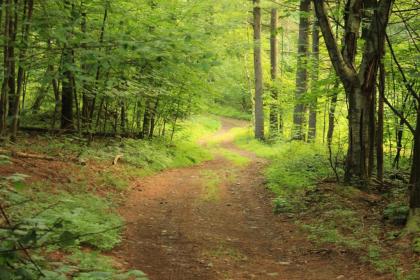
(178, 231)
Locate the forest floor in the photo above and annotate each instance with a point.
(215, 220)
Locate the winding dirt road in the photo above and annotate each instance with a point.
(215, 221)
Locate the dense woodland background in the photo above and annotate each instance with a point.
(103, 77)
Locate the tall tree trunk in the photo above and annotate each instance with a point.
(314, 79)
(413, 224)
(67, 90)
(12, 59)
(380, 125)
(4, 100)
(87, 97)
(26, 21)
(259, 106)
(98, 69)
(301, 71)
(331, 113)
(359, 86)
(146, 119)
(153, 118)
(274, 118)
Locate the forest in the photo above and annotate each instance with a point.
(209, 139)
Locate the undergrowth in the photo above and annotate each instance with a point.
(230, 112)
(342, 218)
(151, 155)
(68, 225)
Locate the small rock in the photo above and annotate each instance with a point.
(273, 274)
(284, 263)
(340, 277)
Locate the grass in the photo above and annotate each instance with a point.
(211, 183)
(230, 112)
(223, 251)
(150, 155)
(234, 157)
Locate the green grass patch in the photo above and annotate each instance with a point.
(230, 112)
(234, 157)
(211, 185)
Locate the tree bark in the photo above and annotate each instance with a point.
(4, 100)
(274, 119)
(26, 21)
(380, 125)
(413, 223)
(259, 106)
(302, 71)
(67, 91)
(359, 86)
(314, 80)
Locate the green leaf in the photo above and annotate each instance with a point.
(67, 239)
(30, 237)
(19, 186)
(5, 273)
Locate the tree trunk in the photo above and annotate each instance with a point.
(67, 91)
(4, 100)
(359, 86)
(302, 71)
(26, 20)
(259, 106)
(274, 120)
(314, 80)
(12, 59)
(331, 113)
(146, 119)
(153, 118)
(413, 224)
(380, 125)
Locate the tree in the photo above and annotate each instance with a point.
(359, 85)
(274, 118)
(301, 70)
(314, 80)
(258, 72)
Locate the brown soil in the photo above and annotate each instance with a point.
(215, 221)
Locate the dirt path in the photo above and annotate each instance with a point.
(215, 221)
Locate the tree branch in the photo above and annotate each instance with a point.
(345, 72)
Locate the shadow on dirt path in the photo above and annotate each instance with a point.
(215, 221)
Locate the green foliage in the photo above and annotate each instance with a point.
(234, 157)
(227, 111)
(46, 222)
(211, 183)
(111, 179)
(295, 168)
(396, 213)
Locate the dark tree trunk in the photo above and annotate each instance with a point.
(413, 224)
(4, 100)
(153, 118)
(26, 19)
(12, 60)
(302, 71)
(259, 106)
(380, 125)
(67, 91)
(274, 119)
(359, 86)
(146, 119)
(331, 113)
